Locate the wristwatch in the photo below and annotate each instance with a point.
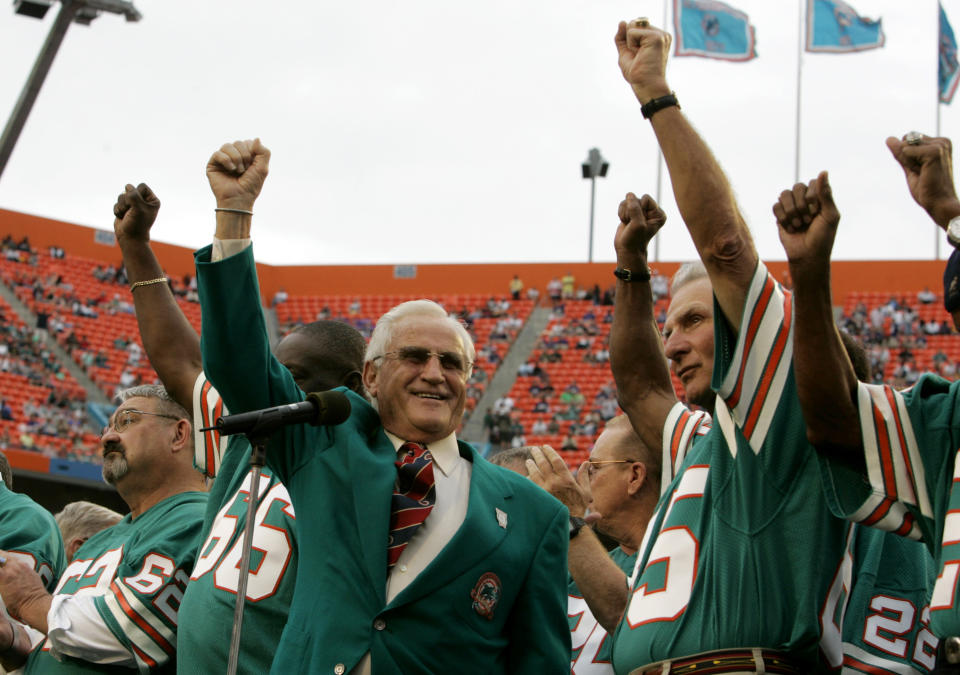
(953, 231)
(576, 524)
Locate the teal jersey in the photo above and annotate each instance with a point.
(742, 550)
(885, 627)
(208, 603)
(493, 597)
(29, 533)
(137, 571)
(590, 643)
(910, 442)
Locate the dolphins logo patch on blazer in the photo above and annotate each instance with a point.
(486, 595)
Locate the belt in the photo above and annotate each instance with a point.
(746, 661)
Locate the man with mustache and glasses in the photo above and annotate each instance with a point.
(116, 604)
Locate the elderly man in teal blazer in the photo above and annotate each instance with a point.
(479, 586)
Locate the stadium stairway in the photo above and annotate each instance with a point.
(506, 374)
(94, 393)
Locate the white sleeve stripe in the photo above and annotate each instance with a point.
(679, 429)
(149, 633)
(138, 638)
(727, 427)
(875, 661)
(206, 445)
(892, 469)
(753, 295)
(774, 394)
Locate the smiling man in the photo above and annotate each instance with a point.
(115, 606)
(417, 554)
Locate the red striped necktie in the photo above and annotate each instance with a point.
(414, 494)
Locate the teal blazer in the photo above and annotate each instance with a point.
(492, 601)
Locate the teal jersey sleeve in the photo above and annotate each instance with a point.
(29, 533)
(885, 626)
(910, 442)
(591, 646)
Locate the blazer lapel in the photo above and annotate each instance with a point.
(480, 533)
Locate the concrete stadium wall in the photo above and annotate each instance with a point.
(896, 276)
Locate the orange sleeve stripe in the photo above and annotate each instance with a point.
(141, 622)
(770, 370)
(752, 327)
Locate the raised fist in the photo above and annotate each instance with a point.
(643, 58)
(134, 213)
(640, 219)
(236, 173)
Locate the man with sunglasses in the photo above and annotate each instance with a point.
(320, 356)
(116, 603)
(479, 584)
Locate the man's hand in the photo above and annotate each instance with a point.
(807, 220)
(22, 590)
(640, 220)
(643, 58)
(548, 470)
(134, 213)
(236, 173)
(929, 171)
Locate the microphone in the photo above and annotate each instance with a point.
(325, 408)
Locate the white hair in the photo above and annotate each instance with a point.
(168, 404)
(687, 273)
(386, 325)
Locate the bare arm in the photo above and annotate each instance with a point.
(807, 219)
(636, 349)
(236, 173)
(15, 655)
(172, 345)
(603, 584)
(702, 191)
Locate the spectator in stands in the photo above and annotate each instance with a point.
(516, 287)
(539, 427)
(555, 290)
(148, 448)
(926, 296)
(553, 427)
(569, 443)
(568, 285)
(280, 297)
(6, 412)
(78, 521)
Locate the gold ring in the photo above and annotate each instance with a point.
(641, 22)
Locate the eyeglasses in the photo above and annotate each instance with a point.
(595, 464)
(419, 356)
(128, 416)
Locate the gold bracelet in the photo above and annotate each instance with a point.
(148, 282)
(242, 212)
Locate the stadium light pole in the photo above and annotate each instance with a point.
(595, 165)
(71, 11)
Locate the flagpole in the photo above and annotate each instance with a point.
(656, 238)
(936, 228)
(796, 152)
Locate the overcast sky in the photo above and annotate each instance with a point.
(433, 131)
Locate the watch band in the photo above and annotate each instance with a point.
(576, 524)
(657, 104)
(628, 275)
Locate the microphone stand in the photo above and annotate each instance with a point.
(258, 436)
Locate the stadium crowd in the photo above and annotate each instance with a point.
(793, 512)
